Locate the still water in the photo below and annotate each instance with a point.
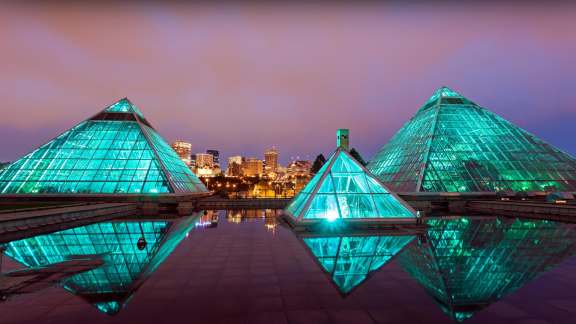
(246, 267)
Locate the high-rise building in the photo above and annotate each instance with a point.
(117, 151)
(343, 138)
(271, 160)
(204, 160)
(299, 168)
(184, 151)
(234, 166)
(454, 145)
(215, 157)
(253, 167)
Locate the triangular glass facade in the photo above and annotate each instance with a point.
(344, 189)
(454, 145)
(114, 152)
(468, 263)
(126, 265)
(348, 260)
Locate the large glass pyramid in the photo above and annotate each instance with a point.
(454, 145)
(349, 260)
(114, 152)
(468, 263)
(344, 189)
(126, 265)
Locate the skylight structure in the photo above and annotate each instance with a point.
(126, 263)
(114, 152)
(467, 263)
(349, 260)
(344, 190)
(454, 145)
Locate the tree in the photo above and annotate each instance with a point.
(357, 156)
(318, 163)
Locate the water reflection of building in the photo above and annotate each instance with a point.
(468, 263)
(349, 260)
(131, 252)
(208, 218)
(240, 215)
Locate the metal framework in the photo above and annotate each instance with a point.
(454, 145)
(344, 190)
(114, 152)
(349, 260)
(468, 263)
(126, 264)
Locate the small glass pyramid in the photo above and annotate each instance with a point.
(126, 265)
(454, 145)
(344, 189)
(348, 260)
(114, 152)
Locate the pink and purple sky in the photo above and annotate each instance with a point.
(240, 79)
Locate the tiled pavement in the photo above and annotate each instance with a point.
(243, 273)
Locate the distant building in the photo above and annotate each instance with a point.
(184, 151)
(271, 160)
(234, 166)
(215, 156)
(204, 160)
(252, 167)
(299, 168)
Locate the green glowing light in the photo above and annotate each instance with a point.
(349, 259)
(126, 266)
(454, 145)
(343, 189)
(467, 264)
(102, 155)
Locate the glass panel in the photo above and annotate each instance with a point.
(457, 146)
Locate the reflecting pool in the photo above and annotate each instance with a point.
(247, 266)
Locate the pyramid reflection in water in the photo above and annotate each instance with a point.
(127, 262)
(116, 151)
(454, 145)
(349, 260)
(468, 263)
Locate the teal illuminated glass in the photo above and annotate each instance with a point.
(344, 189)
(102, 155)
(126, 266)
(470, 262)
(349, 259)
(454, 145)
(124, 106)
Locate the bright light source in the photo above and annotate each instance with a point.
(332, 215)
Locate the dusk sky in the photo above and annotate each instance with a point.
(240, 79)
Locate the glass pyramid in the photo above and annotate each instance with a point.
(114, 152)
(126, 266)
(468, 263)
(454, 145)
(349, 260)
(344, 189)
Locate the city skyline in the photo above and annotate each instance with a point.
(241, 80)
